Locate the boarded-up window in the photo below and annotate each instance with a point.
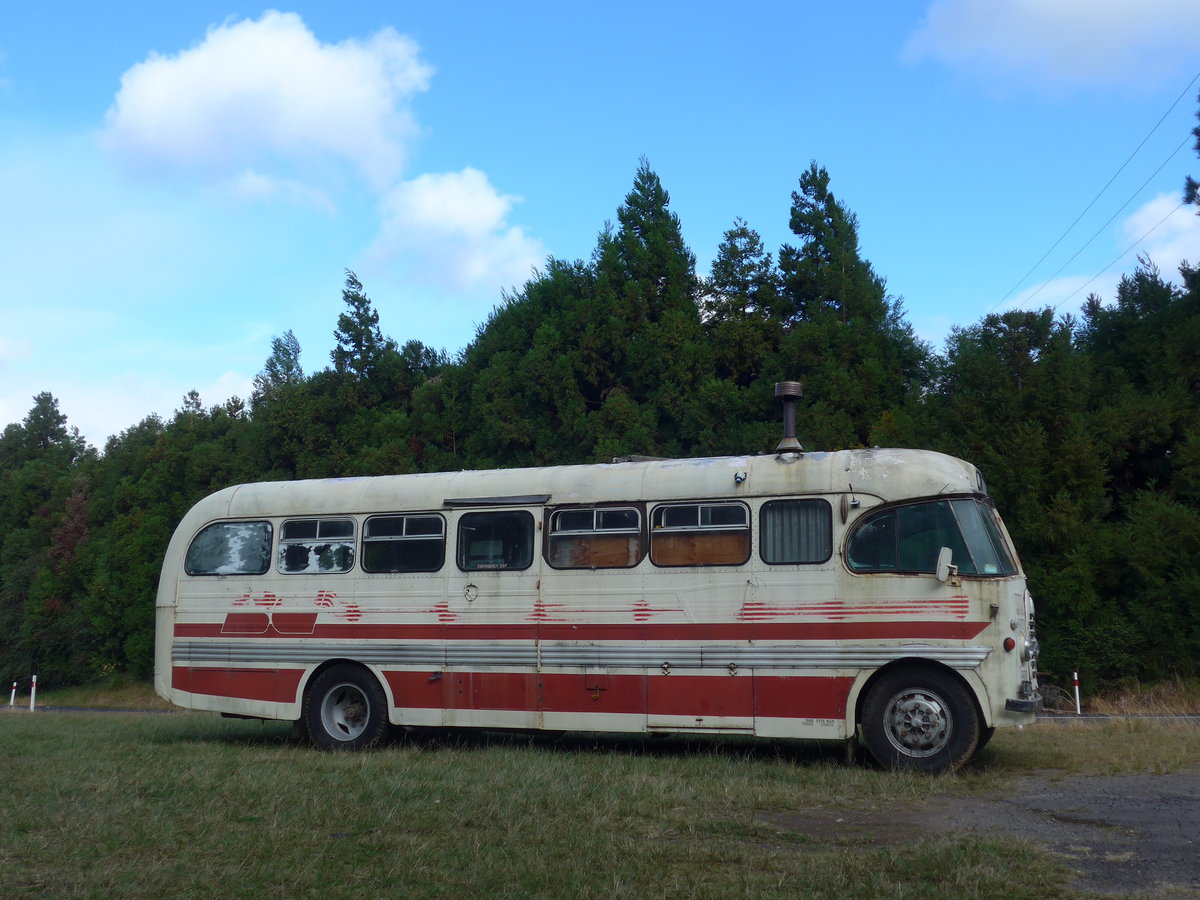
(404, 544)
(597, 538)
(700, 534)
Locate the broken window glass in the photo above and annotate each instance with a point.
(316, 546)
(230, 548)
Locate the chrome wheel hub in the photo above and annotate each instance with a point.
(918, 723)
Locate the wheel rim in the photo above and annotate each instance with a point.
(918, 723)
(345, 711)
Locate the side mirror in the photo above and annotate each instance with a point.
(945, 570)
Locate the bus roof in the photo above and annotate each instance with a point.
(887, 474)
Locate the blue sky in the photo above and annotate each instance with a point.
(179, 183)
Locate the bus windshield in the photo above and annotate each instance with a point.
(908, 538)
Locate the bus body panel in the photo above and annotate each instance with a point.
(779, 650)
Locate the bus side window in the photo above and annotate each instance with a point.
(796, 531)
(872, 547)
(489, 541)
(230, 548)
(606, 537)
(316, 546)
(700, 534)
(404, 543)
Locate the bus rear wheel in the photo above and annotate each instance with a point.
(920, 719)
(345, 709)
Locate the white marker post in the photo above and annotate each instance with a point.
(32, 693)
(1078, 711)
(12, 698)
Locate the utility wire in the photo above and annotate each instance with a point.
(1123, 254)
(1111, 219)
(1070, 227)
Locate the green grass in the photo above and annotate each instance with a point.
(188, 804)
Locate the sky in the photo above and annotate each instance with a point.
(180, 183)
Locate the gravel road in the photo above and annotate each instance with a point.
(1121, 834)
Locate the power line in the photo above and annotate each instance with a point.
(1111, 219)
(1099, 194)
(1123, 254)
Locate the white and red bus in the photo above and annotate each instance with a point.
(868, 595)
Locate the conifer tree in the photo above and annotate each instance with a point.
(281, 368)
(845, 337)
(360, 344)
(739, 306)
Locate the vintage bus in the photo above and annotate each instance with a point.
(871, 596)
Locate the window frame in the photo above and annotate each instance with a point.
(827, 522)
(285, 542)
(222, 523)
(966, 565)
(552, 533)
(460, 545)
(658, 512)
(367, 539)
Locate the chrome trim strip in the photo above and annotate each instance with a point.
(560, 656)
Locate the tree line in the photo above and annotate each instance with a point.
(1086, 427)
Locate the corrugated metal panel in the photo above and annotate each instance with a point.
(608, 656)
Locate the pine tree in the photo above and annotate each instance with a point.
(739, 306)
(360, 344)
(845, 337)
(281, 369)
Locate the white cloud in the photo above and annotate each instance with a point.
(106, 407)
(1158, 229)
(1171, 235)
(451, 230)
(267, 91)
(13, 350)
(1064, 43)
(229, 384)
(1066, 294)
(254, 186)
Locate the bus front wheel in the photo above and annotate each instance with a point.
(920, 719)
(345, 709)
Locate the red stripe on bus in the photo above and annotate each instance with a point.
(715, 631)
(246, 623)
(294, 622)
(788, 697)
(657, 695)
(278, 685)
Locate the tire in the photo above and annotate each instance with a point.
(984, 736)
(345, 709)
(920, 719)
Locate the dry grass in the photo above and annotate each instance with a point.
(119, 692)
(1164, 698)
(1109, 747)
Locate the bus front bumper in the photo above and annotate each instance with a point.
(1032, 705)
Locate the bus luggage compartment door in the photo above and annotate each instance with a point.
(694, 699)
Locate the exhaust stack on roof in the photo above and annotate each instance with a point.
(788, 393)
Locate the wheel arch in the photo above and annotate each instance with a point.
(375, 672)
(967, 678)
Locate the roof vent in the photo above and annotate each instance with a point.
(788, 393)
